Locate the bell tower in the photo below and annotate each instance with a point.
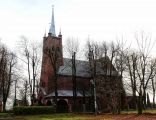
(52, 43)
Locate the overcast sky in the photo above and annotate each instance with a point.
(100, 19)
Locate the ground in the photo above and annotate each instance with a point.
(132, 116)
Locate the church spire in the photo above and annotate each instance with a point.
(52, 26)
(45, 33)
(60, 32)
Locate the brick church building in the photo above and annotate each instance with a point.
(108, 87)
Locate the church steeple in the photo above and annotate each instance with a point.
(52, 26)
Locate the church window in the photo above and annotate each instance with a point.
(58, 49)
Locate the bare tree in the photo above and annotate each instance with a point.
(35, 63)
(151, 78)
(120, 65)
(141, 69)
(107, 57)
(72, 49)
(23, 93)
(24, 45)
(7, 63)
(71, 46)
(131, 62)
(31, 53)
(145, 46)
(16, 80)
(153, 90)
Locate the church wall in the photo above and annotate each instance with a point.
(47, 71)
(65, 82)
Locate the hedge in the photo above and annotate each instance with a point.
(33, 110)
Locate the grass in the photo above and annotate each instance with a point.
(5, 115)
(68, 116)
(71, 116)
(152, 111)
(59, 117)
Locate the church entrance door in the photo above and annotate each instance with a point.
(62, 106)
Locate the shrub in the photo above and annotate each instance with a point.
(33, 110)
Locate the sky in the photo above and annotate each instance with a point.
(100, 20)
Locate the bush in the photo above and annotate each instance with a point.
(33, 110)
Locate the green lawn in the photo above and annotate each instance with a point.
(68, 116)
(58, 117)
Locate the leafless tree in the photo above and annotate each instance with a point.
(23, 93)
(25, 51)
(72, 49)
(35, 63)
(112, 58)
(145, 46)
(7, 63)
(152, 69)
(31, 53)
(131, 62)
(71, 46)
(141, 69)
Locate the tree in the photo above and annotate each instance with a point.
(148, 101)
(23, 93)
(153, 90)
(131, 62)
(141, 69)
(72, 49)
(35, 63)
(25, 51)
(92, 50)
(74, 81)
(7, 63)
(16, 80)
(71, 46)
(31, 54)
(119, 63)
(107, 57)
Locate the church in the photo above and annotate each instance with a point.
(76, 91)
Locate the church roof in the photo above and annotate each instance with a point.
(68, 93)
(82, 68)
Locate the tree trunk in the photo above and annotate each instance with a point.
(153, 98)
(33, 95)
(55, 83)
(74, 81)
(140, 102)
(153, 87)
(30, 83)
(144, 100)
